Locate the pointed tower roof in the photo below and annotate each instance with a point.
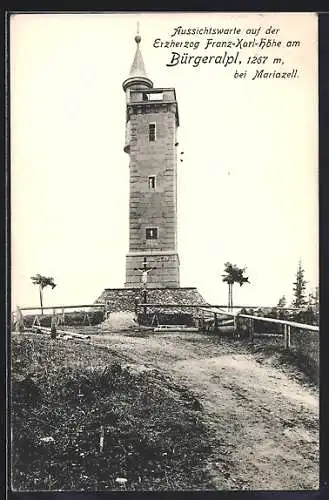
(137, 76)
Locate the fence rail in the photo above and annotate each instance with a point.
(301, 326)
(215, 310)
(286, 324)
(208, 306)
(219, 310)
(57, 314)
(60, 307)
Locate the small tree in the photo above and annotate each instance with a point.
(317, 299)
(282, 301)
(233, 275)
(299, 288)
(42, 282)
(314, 300)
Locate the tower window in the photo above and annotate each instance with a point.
(151, 182)
(156, 96)
(151, 233)
(153, 96)
(152, 132)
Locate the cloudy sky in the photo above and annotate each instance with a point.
(247, 188)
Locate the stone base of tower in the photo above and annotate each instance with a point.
(124, 299)
(165, 272)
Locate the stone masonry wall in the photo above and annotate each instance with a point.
(153, 208)
(123, 299)
(165, 274)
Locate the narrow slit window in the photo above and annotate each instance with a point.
(151, 233)
(152, 132)
(152, 182)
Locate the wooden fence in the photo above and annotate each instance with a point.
(286, 324)
(56, 319)
(213, 310)
(217, 310)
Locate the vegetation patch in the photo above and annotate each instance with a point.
(82, 421)
(303, 354)
(168, 318)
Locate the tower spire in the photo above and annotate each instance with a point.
(137, 76)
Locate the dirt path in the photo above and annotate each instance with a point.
(264, 423)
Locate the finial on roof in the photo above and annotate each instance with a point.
(138, 38)
(137, 75)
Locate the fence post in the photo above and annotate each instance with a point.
(234, 325)
(63, 316)
(101, 439)
(53, 326)
(137, 310)
(19, 320)
(284, 335)
(136, 300)
(36, 321)
(252, 329)
(287, 337)
(215, 323)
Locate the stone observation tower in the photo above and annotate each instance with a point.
(152, 263)
(151, 143)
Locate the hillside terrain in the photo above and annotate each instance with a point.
(178, 411)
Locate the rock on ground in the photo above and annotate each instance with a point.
(119, 321)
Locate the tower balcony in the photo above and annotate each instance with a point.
(151, 95)
(148, 99)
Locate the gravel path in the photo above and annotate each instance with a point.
(264, 421)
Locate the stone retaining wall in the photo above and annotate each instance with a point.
(124, 299)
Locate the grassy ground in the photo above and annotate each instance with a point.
(63, 393)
